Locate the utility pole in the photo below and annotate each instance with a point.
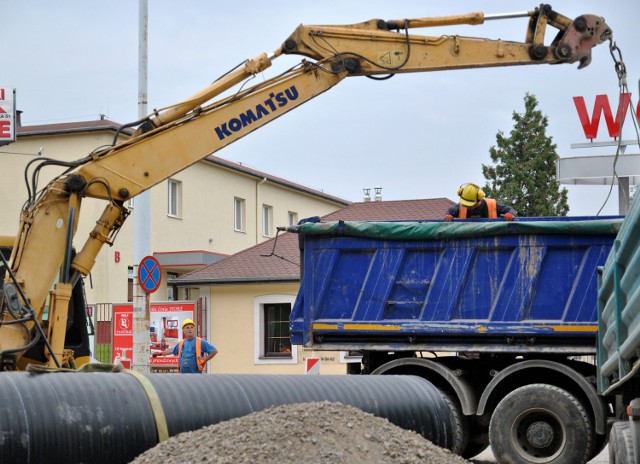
(141, 216)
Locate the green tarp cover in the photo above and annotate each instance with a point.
(446, 230)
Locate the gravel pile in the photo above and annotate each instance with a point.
(309, 433)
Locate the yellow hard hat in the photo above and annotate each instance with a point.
(188, 321)
(469, 194)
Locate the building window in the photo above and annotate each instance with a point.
(267, 220)
(238, 214)
(272, 335)
(174, 194)
(130, 283)
(293, 218)
(172, 289)
(277, 341)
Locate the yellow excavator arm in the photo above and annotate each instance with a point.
(174, 138)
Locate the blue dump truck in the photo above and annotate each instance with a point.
(619, 338)
(502, 317)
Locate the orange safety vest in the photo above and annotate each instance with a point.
(198, 353)
(491, 206)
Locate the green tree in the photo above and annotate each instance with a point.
(523, 173)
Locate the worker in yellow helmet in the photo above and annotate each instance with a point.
(193, 352)
(473, 204)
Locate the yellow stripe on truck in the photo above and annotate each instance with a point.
(571, 328)
(325, 326)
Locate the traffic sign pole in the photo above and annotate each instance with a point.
(141, 215)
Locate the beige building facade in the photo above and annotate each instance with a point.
(238, 329)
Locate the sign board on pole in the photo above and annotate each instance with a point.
(7, 115)
(149, 274)
(165, 330)
(122, 334)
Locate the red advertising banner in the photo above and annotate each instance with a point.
(122, 334)
(7, 115)
(165, 331)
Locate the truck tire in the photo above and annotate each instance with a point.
(621, 444)
(541, 423)
(459, 424)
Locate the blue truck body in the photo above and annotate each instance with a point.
(502, 317)
(529, 285)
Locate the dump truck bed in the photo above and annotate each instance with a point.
(529, 285)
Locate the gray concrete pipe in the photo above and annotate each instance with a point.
(113, 417)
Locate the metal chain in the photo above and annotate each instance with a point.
(620, 67)
(621, 71)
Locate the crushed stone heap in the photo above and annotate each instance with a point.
(309, 433)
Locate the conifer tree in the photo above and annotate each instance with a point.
(523, 173)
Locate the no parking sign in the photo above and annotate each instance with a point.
(149, 274)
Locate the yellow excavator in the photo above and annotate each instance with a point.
(42, 310)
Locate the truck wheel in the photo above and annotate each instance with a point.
(458, 424)
(621, 444)
(470, 436)
(539, 424)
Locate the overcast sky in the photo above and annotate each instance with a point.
(415, 136)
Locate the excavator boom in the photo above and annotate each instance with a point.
(374, 48)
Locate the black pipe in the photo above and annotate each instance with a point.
(108, 418)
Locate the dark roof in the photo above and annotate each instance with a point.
(400, 210)
(278, 259)
(70, 127)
